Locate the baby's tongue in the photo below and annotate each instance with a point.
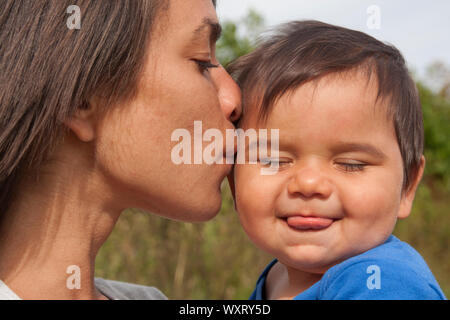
(307, 223)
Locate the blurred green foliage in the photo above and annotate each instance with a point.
(436, 113)
(215, 260)
(238, 38)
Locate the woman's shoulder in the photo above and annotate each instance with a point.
(118, 290)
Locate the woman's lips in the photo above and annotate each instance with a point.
(308, 223)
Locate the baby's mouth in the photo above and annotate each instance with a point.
(299, 222)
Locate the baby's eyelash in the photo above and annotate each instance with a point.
(268, 161)
(283, 163)
(352, 167)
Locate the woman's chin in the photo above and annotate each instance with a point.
(191, 210)
(203, 211)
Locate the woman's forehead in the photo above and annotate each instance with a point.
(188, 16)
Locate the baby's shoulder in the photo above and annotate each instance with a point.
(393, 270)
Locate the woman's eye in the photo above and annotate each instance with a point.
(352, 167)
(204, 66)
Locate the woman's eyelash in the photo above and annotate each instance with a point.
(205, 65)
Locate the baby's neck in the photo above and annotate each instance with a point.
(284, 283)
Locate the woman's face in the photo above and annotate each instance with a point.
(133, 144)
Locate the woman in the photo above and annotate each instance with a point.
(86, 122)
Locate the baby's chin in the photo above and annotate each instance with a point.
(309, 258)
(318, 259)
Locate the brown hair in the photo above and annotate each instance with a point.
(302, 51)
(47, 71)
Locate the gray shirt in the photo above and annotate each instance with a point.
(114, 290)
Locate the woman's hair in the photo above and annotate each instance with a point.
(48, 70)
(302, 51)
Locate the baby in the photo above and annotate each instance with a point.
(349, 162)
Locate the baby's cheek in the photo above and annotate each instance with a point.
(255, 195)
(248, 190)
(371, 208)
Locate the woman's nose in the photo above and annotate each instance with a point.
(308, 183)
(229, 94)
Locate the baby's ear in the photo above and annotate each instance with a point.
(408, 196)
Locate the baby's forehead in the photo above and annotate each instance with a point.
(354, 93)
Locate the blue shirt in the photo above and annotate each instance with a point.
(391, 271)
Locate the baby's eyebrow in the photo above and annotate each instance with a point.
(359, 147)
(252, 144)
(258, 142)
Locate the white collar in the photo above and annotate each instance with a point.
(6, 293)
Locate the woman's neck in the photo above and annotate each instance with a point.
(56, 225)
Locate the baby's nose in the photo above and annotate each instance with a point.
(309, 182)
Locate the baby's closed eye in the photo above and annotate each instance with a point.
(274, 161)
(351, 166)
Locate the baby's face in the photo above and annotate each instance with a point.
(338, 189)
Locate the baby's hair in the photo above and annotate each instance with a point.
(302, 51)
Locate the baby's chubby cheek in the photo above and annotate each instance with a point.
(255, 197)
(370, 212)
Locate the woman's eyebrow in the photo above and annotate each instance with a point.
(208, 26)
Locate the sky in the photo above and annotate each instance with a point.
(419, 29)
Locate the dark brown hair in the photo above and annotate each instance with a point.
(301, 51)
(47, 71)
